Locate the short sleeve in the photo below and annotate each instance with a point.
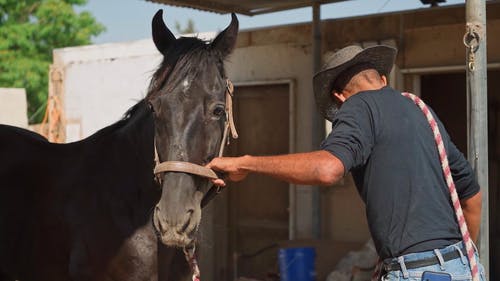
(352, 137)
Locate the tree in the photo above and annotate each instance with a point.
(185, 30)
(29, 31)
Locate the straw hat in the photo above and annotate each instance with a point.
(381, 57)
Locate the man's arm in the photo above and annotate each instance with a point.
(312, 168)
(472, 213)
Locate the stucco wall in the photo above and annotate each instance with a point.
(101, 82)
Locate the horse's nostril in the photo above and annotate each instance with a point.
(188, 221)
(185, 226)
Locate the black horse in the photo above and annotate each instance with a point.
(93, 210)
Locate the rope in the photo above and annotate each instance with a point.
(190, 255)
(451, 186)
(51, 118)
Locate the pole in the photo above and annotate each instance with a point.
(476, 72)
(318, 124)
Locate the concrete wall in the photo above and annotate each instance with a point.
(13, 107)
(101, 82)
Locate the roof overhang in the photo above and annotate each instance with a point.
(245, 7)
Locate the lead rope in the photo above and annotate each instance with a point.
(451, 186)
(190, 254)
(229, 126)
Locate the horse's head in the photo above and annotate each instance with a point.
(187, 94)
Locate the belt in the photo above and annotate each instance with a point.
(395, 266)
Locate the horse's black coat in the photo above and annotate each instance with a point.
(84, 210)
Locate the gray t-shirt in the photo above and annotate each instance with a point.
(384, 139)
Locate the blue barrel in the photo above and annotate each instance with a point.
(297, 264)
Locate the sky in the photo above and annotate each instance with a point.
(129, 20)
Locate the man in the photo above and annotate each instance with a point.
(385, 141)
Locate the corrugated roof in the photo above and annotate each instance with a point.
(245, 7)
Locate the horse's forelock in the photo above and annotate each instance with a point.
(187, 56)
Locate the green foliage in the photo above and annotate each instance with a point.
(185, 30)
(29, 31)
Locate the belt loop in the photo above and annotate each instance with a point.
(475, 248)
(401, 261)
(462, 257)
(440, 258)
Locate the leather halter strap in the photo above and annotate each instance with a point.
(191, 168)
(186, 167)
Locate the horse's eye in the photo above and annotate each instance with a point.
(219, 111)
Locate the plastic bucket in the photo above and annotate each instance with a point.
(297, 264)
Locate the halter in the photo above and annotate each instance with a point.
(195, 169)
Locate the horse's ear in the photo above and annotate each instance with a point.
(226, 40)
(162, 36)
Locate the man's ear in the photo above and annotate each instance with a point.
(384, 79)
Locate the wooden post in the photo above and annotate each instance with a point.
(477, 103)
(56, 120)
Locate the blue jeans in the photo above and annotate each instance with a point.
(458, 268)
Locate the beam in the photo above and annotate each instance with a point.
(248, 8)
(317, 122)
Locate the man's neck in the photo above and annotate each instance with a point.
(361, 84)
(361, 88)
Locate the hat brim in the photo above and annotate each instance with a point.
(381, 57)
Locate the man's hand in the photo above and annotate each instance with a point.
(231, 166)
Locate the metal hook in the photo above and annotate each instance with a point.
(471, 39)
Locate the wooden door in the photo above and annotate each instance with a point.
(257, 208)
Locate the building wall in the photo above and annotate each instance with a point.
(101, 82)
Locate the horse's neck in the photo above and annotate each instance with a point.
(130, 150)
(136, 138)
